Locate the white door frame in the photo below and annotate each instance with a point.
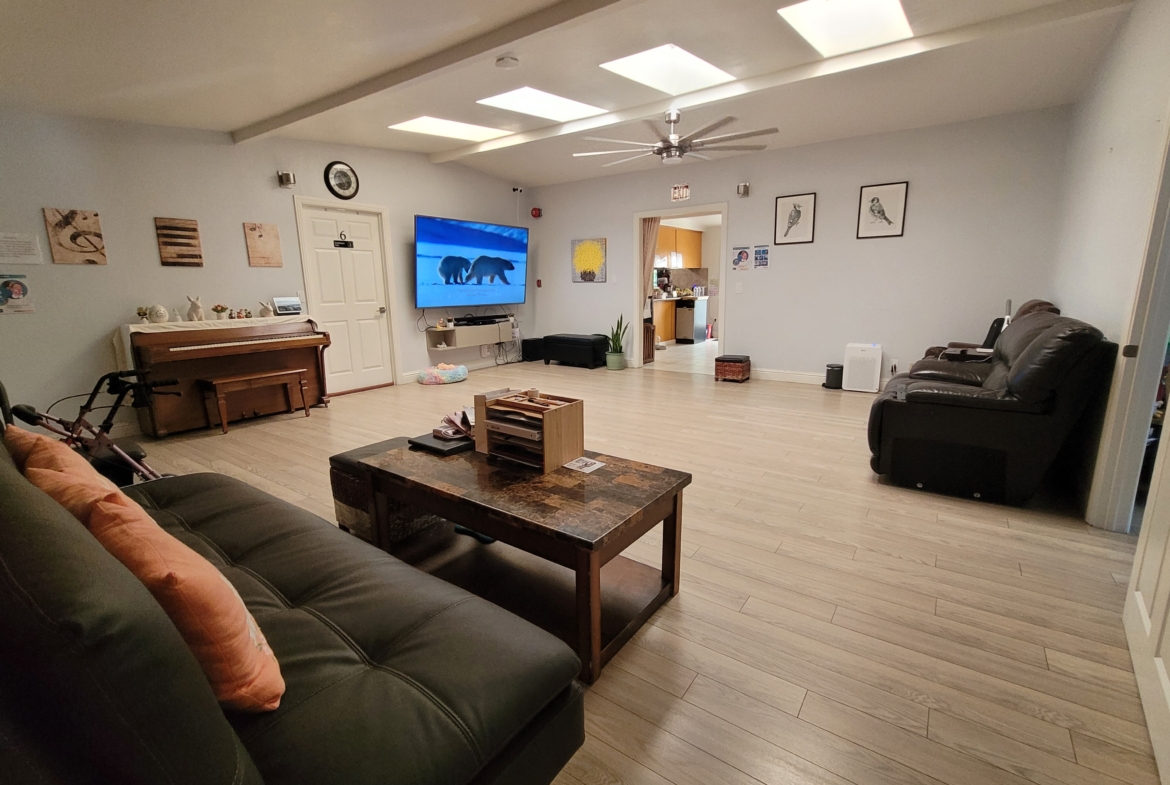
(1135, 380)
(302, 203)
(640, 285)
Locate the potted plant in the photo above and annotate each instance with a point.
(615, 358)
(219, 309)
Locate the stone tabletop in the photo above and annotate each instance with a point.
(587, 509)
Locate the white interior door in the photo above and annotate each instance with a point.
(345, 284)
(1147, 610)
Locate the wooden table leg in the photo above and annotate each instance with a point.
(223, 415)
(305, 394)
(589, 614)
(672, 546)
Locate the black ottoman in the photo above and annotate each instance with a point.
(351, 498)
(585, 350)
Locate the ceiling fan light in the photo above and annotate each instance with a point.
(669, 68)
(672, 155)
(836, 27)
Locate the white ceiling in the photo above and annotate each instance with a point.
(228, 64)
(698, 223)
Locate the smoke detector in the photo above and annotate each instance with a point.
(507, 62)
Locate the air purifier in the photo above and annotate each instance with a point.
(863, 367)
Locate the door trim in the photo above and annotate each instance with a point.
(302, 203)
(635, 360)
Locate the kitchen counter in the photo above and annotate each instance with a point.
(666, 317)
(670, 299)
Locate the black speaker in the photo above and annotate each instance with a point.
(532, 349)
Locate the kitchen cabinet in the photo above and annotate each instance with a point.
(664, 319)
(664, 251)
(688, 245)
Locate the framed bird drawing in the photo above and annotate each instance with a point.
(795, 219)
(882, 210)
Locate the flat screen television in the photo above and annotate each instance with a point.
(462, 264)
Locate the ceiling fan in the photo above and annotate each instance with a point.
(671, 147)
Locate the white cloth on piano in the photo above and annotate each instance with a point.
(124, 353)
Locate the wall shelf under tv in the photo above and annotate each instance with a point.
(471, 335)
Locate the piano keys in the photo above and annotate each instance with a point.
(191, 354)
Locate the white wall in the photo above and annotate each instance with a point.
(131, 173)
(981, 227)
(1117, 142)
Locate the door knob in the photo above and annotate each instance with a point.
(381, 309)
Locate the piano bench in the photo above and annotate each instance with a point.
(217, 389)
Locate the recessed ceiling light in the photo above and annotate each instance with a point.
(835, 27)
(449, 128)
(670, 69)
(528, 100)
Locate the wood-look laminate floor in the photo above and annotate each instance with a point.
(686, 357)
(831, 629)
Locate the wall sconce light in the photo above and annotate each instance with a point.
(743, 189)
(286, 179)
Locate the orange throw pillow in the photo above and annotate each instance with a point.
(19, 443)
(74, 493)
(206, 608)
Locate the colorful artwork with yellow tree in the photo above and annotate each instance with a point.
(588, 261)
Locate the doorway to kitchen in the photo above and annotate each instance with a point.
(680, 299)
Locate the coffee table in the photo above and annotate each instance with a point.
(560, 535)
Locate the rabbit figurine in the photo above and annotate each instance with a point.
(195, 312)
(266, 309)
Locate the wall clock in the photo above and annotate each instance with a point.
(341, 180)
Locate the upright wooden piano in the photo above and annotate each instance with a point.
(192, 354)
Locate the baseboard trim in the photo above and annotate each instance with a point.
(798, 377)
(408, 377)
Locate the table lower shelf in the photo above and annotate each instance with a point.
(540, 591)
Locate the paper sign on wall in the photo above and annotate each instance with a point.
(741, 258)
(19, 248)
(15, 294)
(760, 256)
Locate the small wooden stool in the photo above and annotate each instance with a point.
(733, 367)
(219, 387)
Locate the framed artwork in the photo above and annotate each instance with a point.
(341, 180)
(178, 242)
(588, 261)
(882, 210)
(795, 219)
(75, 236)
(263, 241)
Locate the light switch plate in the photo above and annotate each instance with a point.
(739, 288)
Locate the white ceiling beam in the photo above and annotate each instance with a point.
(1051, 14)
(431, 65)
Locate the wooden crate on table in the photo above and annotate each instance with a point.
(530, 428)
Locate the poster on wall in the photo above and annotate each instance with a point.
(18, 248)
(15, 294)
(263, 242)
(882, 210)
(795, 219)
(760, 257)
(741, 258)
(178, 242)
(588, 260)
(75, 236)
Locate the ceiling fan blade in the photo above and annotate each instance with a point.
(715, 126)
(729, 147)
(654, 129)
(699, 155)
(624, 160)
(733, 137)
(606, 152)
(619, 141)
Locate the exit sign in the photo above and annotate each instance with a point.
(680, 193)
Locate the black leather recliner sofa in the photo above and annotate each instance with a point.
(394, 677)
(991, 430)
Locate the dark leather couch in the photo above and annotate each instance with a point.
(1031, 306)
(394, 676)
(991, 430)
